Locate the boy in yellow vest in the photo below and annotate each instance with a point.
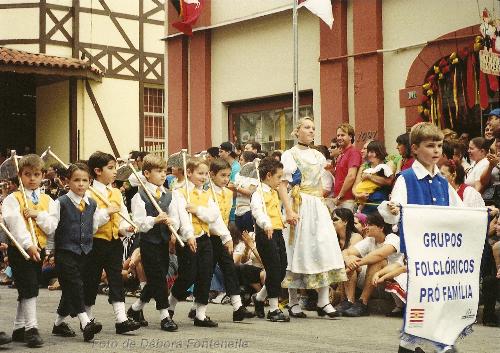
(107, 248)
(26, 272)
(196, 258)
(222, 243)
(269, 238)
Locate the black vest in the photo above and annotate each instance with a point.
(75, 229)
(160, 232)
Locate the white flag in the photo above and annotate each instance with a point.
(321, 8)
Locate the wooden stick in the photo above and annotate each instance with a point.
(155, 204)
(23, 191)
(184, 164)
(97, 193)
(253, 249)
(14, 241)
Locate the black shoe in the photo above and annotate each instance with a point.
(137, 316)
(98, 325)
(90, 330)
(321, 312)
(259, 307)
(301, 315)
(32, 338)
(343, 306)
(277, 316)
(4, 338)
(404, 350)
(127, 326)
(205, 323)
(63, 330)
(192, 314)
(419, 350)
(358, 309)
(167, 324)
(18, 335)
(242, 313)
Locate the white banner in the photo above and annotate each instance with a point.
(444, 246)
(489, 62)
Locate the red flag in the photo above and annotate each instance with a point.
(190, 10)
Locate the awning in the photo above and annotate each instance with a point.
(17, 61)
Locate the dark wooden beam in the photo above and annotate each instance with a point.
(117, 24)
(75, 52)
(24, 5)
(42, 26)
(141, 72)
(73, 119)
(104, 125)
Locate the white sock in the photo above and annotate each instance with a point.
(236, 302)
(273, 304)
(29, 308)
(201, 310)
(164, 313)
(142, 284)
(60, 319)
(293, 301)
(138, 305)
(88, 310)
(172, 301)
(262, 295)
(84, 319)
(324, 299)
(19, 321)
(119, 309)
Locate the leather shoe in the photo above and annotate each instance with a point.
(63, 330)
(137, 316)
(18, 335)
(242, 313)
(205, 322)
(259, 307)
(277, 316)
(167, 324)
(90, 330)
(4, 338)
(98, 326)
(300, 315)
(127, 326)
(321, 312)
(32, 338)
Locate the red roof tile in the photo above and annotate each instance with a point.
(22, 58)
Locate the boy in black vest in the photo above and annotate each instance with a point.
(155, 238)
(77, 219)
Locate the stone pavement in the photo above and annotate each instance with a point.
(376, 334)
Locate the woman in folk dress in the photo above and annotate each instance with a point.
(313, 252)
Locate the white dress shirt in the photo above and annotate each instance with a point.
(218, 227)
(261, 217)
(176, 211)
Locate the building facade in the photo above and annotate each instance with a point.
(81, 75)
(232, 80)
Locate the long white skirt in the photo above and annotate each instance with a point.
(314, 256)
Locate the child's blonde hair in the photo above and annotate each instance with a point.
(425, 131)
(300, 122)
(153, 161)
(32, 161)
(194, 162)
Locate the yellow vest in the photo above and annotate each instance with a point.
(273, 206)
(197, 198)
(109, 230)
(43, 205)
(225, 201)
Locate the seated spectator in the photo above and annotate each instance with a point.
(49, 273)
(404, 149)
(277, 155)
(478, 149)
(133, 273)
(343, 221)
(460, 154)
(373, 180)
(379, 248)
(490, 178)
(359, 222)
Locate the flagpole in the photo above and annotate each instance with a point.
(295, 92)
